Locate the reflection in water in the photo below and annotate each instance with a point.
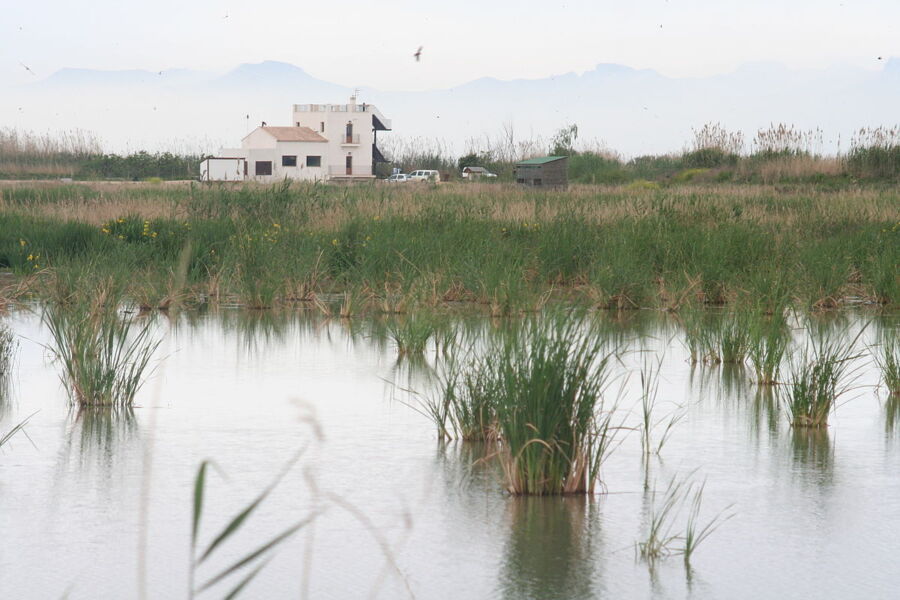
(891, 413)
(813, 453)
(549, 553)
(469, 466)
(98, 434)
(764, 411)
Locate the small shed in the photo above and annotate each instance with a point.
(223, 169)
(544, 171)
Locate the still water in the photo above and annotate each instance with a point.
(99, 506)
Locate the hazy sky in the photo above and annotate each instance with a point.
(371, 43)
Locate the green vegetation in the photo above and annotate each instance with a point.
(820, 374)
(887, 357)
(768, 345)
(393, 248)
(664, 538)
(537, 388)
(77, 154)
(246, 568)
(103, 354)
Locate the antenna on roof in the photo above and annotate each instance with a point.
(354, 96)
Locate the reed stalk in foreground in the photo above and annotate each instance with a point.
(820, 374)
(245, 569)
(104, 355)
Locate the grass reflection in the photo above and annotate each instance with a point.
(98, 434)
(548, 554)
(813, 452)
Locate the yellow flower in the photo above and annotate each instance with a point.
(334, 242)
(30, 257)
(276, 225)
(153, 235)
(22, 243)
(377, 218)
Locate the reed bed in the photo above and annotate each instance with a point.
(507, 249)
(537, 389)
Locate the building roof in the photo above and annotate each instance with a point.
(541, 160)
(475, 169)
(294, 134)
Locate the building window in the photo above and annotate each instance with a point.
(322, 126)
(313, 161)
(264, 167)
(288, 161)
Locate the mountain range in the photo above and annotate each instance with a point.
(634, 111)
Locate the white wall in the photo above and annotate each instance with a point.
(299, 149)
(335, 117)
(222, 169)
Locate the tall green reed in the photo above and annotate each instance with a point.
(819, 375)
(553, 423)
(664, 538)
(246, 568)
(769, 340)
(104, 354)
(887, 357)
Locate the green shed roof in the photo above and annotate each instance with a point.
(541, 160)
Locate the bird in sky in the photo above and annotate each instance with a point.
(27, 68)
(418, 54)
(879, 58)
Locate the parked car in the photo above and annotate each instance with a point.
(476, 172)
(397, 178)
(425, 175)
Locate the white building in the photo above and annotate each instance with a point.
(326, 142)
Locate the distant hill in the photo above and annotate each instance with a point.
(632, 110)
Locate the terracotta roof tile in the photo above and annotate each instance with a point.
(294, 134)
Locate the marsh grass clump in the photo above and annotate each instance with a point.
(412, 334)
(104, 354)
(769, 340)
(732, 338)
(820, 374)
(551, 419)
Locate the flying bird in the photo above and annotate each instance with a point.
(879, 58)
(27, 68)
(418, 54)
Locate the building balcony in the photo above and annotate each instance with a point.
(350, 140)
(355, 171)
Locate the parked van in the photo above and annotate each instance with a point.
(424, 175)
